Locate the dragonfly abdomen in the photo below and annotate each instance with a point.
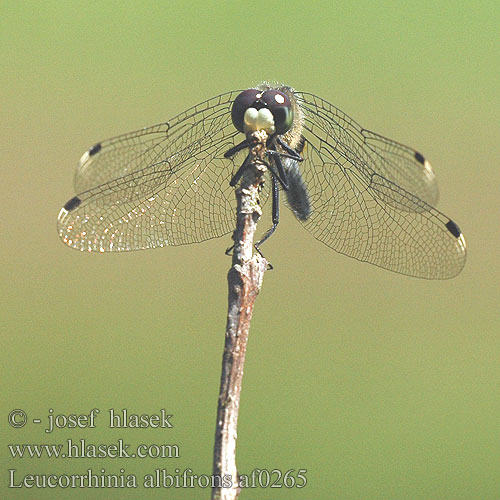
(297, 194)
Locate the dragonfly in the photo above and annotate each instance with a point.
(361, 194)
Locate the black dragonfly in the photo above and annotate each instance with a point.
(361, 194)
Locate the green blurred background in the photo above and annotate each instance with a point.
(380, 385)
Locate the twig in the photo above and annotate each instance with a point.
(244, 281)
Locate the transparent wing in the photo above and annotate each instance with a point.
(163, 185)
(361, 203)
(372, 152)
(127, 153)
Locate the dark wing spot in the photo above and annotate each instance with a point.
(453, 228)
(72, 204)
(95, 149)
(419, 157)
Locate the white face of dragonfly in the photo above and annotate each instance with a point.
(258, 119)
(268, 110)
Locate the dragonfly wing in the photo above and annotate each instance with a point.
(404, 166)
(370, 152)
(352, 215)
(372, 198)
(182, 198)
(128, 153)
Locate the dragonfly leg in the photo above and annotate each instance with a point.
(239, 173)
(280, 173)
(291, 152)
(276, 215)
(235, 149)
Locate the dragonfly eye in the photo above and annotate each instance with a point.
(244, 101)
(269, 110)
(280, 106)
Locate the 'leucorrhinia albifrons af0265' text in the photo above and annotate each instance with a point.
(359, 193)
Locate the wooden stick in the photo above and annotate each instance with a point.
(244, 282)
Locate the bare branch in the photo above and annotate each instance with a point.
(244, 281)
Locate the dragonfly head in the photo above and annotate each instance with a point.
(268, 110)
